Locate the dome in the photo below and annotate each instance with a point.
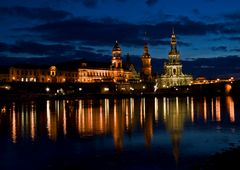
(116, 47)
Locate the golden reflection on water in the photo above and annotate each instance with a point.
(212, 107)
(192, 109)
(218, 110)
(230, 107)
(156, 109)
(148, 121)
(14, 127)
(33, 122)
(205, 109)
(89, 117)
(175, 115)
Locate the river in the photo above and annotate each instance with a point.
(117, 133)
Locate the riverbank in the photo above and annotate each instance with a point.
(29, 90)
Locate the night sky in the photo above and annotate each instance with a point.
(85, 28)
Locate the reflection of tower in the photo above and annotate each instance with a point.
(146, 72)
(148, 123)
(230, 107)
(118, 125)
(175, 123)
(218, 109)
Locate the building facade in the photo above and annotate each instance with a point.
(86, 72)
(113, 73)
(172, 71)
(41, 74)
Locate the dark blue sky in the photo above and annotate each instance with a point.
(83, 28)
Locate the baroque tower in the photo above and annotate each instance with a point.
(116, 56)
(172, 71)
(116, 67)
(174, 65)
(146, 71)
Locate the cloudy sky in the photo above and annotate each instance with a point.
(82, 28)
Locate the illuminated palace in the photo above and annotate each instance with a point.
(86, 72)
(172, 71)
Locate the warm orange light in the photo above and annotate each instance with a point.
(228, 88)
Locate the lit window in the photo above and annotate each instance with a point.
(106, 89)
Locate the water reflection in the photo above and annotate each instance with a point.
(115, 117)
(230, 107)
(175, 112)
(14, 128)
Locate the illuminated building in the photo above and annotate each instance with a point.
(116, 72)
(42, 74)
(172, 72)
(87, 72)
(146, 70)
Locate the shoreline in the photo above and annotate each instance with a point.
(28, 91)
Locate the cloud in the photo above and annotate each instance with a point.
(90, 3)
(105, 31)
(196, 11)
(235, 50)
(234, 16)
(3, 47)
(59, 52)
(219, 48)
(86, 48)
(86, 31)
(36, 48)
(151, 2)
(103, 51)
(46, 14)
(234, 38)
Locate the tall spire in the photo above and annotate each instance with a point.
(145, 49)
(145, 36)
(173, 40)
(173, 43)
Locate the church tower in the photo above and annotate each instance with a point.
(116, 56)
(116, 67)
(146, 69)
(173, 66)
(172, 69)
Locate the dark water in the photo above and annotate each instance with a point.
(129, 133)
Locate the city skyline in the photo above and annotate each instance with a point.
(85, 28)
